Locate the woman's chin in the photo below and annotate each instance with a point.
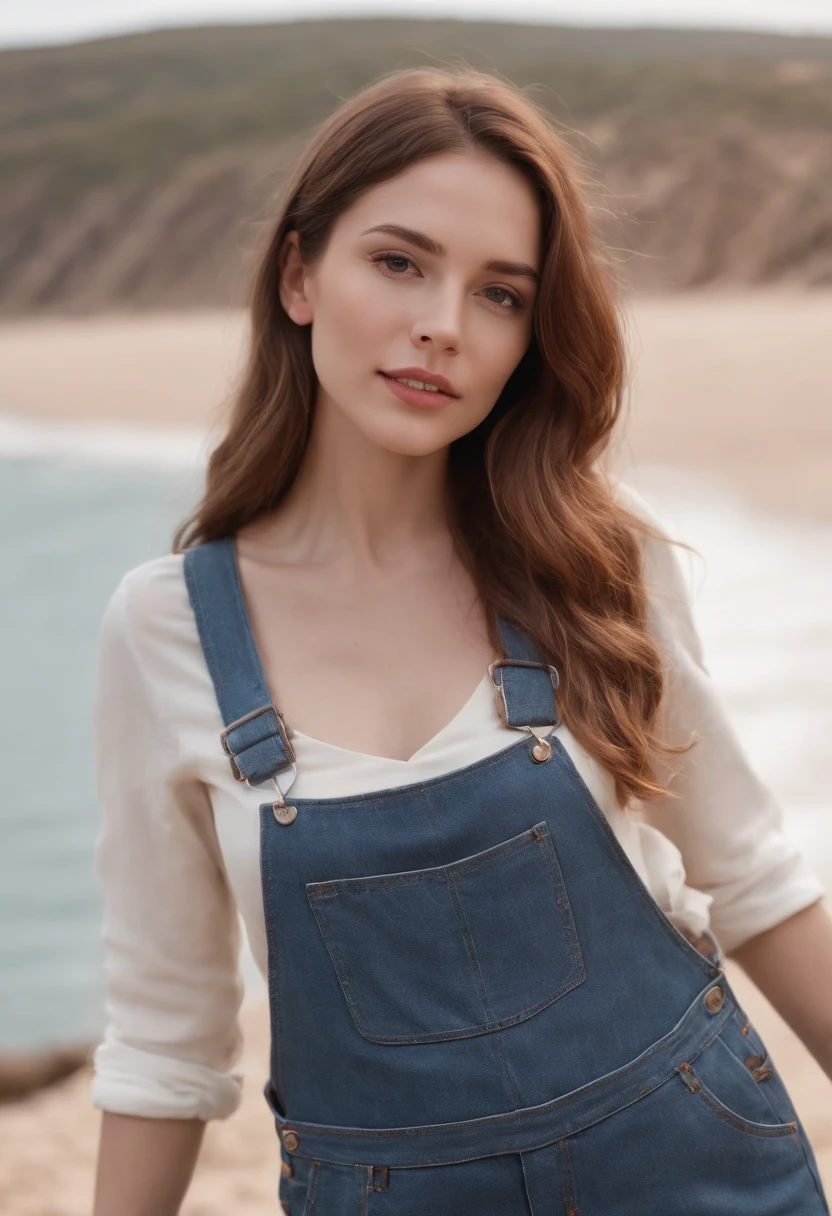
(409, 436)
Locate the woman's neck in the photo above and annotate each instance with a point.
(354, 500)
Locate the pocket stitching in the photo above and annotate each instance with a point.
(470, 947)
(747, 1126)
(329, 889)
(319, 893)
(766, 1093)
(754, 1040)
(311, 1188)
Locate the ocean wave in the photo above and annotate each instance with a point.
(103, 442)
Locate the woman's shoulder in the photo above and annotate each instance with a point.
(668, 568)
(663, 565)
(149, 613)
(628, 496)
(152, 592)
(150, 643)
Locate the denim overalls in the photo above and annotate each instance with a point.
(477, 1007)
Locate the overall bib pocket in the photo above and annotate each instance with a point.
(454, 950)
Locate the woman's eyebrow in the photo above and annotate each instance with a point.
(423, 241)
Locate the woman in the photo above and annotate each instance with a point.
(493, 986)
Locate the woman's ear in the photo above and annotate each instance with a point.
(293, 276)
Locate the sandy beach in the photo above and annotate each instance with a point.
(729, 385)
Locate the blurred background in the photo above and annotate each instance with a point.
(141, 146)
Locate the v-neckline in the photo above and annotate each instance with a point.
(374, 757)
(311, 739)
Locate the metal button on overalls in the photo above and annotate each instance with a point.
(473, 996)
(714, 999)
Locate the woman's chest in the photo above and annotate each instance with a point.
(377, 667)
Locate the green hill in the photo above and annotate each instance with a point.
(134, 171)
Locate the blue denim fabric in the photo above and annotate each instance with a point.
(477, 1007)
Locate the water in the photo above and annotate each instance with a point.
(83, 503)
(70, 528)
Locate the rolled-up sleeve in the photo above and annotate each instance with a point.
(171, 935)
(727, 824)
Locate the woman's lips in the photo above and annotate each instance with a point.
(421, 397)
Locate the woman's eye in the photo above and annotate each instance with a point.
(397, 264)
(387, 258)
(513, 300)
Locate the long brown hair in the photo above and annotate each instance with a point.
(534, 516)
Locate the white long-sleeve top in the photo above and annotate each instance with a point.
(177, 856)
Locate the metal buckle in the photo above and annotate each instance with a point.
(542, 750)
(255, 713)
(501, 697)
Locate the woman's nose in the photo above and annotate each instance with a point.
(440, 326)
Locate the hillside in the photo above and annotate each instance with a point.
(136, 171)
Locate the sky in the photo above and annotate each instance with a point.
(53, 21)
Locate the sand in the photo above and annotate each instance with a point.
(731, 385)
(736, 385)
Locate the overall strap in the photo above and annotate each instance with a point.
(254, 737)
(525, 682)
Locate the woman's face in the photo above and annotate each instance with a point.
(451, 293)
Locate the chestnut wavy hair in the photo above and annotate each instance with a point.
(533, 515)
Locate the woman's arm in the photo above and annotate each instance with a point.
(167, 1061)
(145, 1165)
(791, 964)
(766, 910)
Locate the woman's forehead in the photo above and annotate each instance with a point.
(456, 201)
